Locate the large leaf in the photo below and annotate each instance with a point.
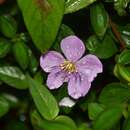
(75, 5)
(114, 93)
(44, 100)
(13, 76)
(59, 123)
(42, 18)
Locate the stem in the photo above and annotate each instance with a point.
(117, 34)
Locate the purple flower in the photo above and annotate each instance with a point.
(78, 72)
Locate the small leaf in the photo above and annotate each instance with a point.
(84, 127)
(103, 49)
(124, 57)
(91, 97)
(33, 62)
(99, 19)
(43, 99)
(114, 93)
(4, 47)
(112, 115)
(42, 18)
(75, 5)
(125, 33)
(117, 74)
(13, 76)
(120, 6)
(21, 54)
(8, 26)
(124, 72)
(12, 100)
(4, 106)
(94, 109)
(59, 123)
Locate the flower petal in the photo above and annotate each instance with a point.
(55, 79)
(72, 47)
(78, 86)
(90, 65)
(50, 60)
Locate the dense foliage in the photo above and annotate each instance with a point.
(30, 28)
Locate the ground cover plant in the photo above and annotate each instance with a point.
(64, 64)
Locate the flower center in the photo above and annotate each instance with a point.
(68, 66)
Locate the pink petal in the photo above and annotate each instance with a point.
(72, 47)
(90, 65)
(55, 79)
(78, 86)
(50, 60)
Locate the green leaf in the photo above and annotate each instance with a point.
(15, 125)
(39, 77)
(91, 97)
(20, 51)
(114, 93)
(75, 5)
(116, 126)
(124, 72)
(117, 74)
(124, 57)
(4, 47)
(127, 124)
(8, 26)
(120, 6)
(112, 115)
(103, 49)
(33, 62)
(12, 100)
(94, 109)
(125, 33)
(13, 76)
(99, 19)
(4, 106)
(43, 99)
(84, 127)
(42, 18)
(59, 123)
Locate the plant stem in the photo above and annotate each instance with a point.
(117, 34)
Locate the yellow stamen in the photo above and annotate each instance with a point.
(68, 66)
